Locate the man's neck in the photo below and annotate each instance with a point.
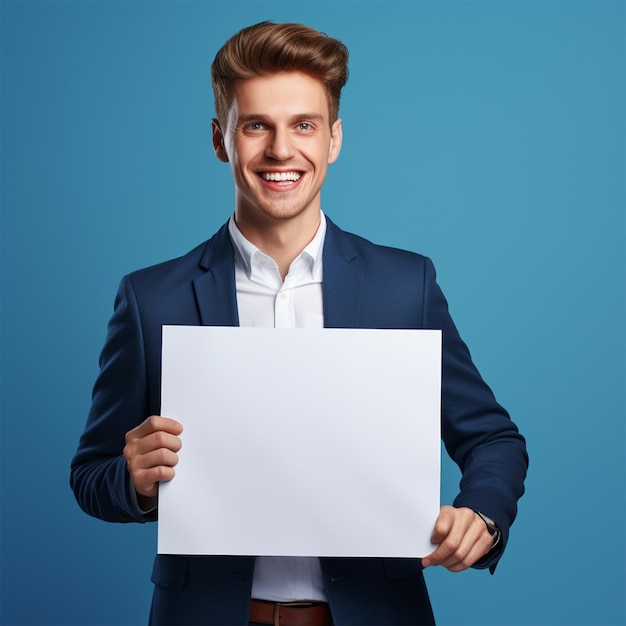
(282, 240)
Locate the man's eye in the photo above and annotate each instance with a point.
(304, 126)
(255, 126)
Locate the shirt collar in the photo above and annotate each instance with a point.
(248, 256)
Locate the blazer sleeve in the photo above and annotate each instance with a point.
(478, 433)
(99, 477)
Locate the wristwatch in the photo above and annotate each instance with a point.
(492, 527)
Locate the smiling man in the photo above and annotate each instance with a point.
(279, 139)
(279, 261)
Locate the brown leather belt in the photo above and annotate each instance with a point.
(290, 613)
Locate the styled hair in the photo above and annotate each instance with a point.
(267, 48)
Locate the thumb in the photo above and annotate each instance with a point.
(442, 525)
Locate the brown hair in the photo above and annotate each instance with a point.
(266, 48)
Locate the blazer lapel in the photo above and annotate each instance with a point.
(343, 280)
(216, 294)
(214, 289)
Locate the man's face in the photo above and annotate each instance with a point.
(279, 142)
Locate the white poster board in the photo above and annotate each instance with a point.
(302, 442)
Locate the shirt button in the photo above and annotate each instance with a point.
(283, 296)
(263, 261)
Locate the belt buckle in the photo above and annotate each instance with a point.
(295, 605)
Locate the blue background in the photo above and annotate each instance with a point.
(487, 135)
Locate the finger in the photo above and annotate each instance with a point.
(146, 471)
(464, 551)
(146, 481)
(442, 554)
(150, 442)
(153, 424)
(475, 552)
(444, 524)
(451, 532)
(153, 458)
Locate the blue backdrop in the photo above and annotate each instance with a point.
(487, 135)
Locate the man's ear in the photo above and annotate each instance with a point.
(336, 138)
(218, 141)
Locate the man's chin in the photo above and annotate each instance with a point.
(286, 210)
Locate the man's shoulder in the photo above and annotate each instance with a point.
(350, 243)
(163, 268)
(184, 267)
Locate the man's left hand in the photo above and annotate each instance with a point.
(463, 539)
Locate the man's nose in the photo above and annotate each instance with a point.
(279, 146)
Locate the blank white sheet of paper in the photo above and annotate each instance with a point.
(302, 442)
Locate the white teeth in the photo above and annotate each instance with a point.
(281, 176)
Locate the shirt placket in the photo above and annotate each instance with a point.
(284, 312)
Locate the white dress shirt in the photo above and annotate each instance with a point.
(263, 299)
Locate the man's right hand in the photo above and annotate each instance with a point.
(151, 454)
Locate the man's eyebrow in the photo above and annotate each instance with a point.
(260, 117)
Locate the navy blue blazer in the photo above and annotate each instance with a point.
(364, 286)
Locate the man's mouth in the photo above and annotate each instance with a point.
(281, 177)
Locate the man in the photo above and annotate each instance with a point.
(280, 262)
